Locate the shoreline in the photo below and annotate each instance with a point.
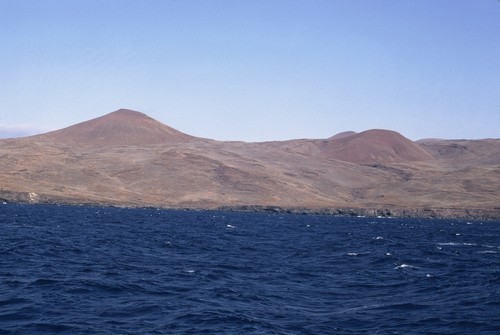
(382, 211)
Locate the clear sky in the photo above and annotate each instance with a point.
(254, 70)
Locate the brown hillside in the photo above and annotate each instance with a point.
(127, 158)
(374, 146)
(122, 127)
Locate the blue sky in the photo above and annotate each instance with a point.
(254, 70)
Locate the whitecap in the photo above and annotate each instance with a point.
(352, 254)
(404, 266)
(230, 226)
(456, 243)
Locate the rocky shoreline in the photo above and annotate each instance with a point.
(392, 212)
(491, 214)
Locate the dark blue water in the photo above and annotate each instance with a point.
(89, 270)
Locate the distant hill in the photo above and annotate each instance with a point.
(126, 158)
(374, 146)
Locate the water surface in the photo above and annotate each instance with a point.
(92, 270)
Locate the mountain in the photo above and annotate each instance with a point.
(122, 127)
(126, 158)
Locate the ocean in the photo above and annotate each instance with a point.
(97, 270)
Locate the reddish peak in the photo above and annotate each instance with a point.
(122, 112)
(375, 146)
(121, 127)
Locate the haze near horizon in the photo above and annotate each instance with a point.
(254, 71)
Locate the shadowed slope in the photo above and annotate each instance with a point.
(467, 151)
(122, 127)
(374, 146)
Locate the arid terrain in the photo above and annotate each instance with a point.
(126, 158)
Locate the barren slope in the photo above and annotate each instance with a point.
(122, 127)
(127, 158)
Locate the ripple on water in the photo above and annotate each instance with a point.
(81, 270)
